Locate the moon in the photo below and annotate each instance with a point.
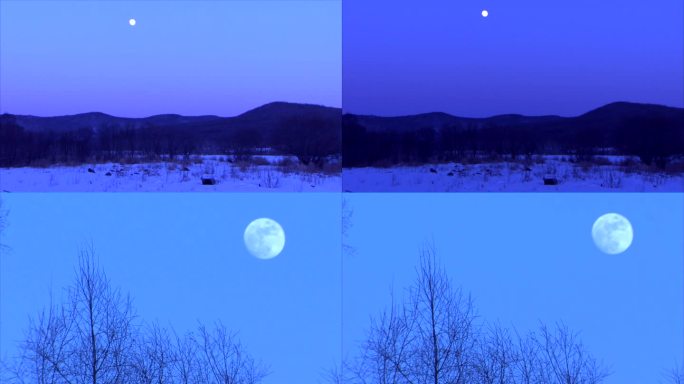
(132, 22)
(485, 13)
(264, 238)
(612, 233)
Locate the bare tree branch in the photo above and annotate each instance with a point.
(433, 336)
(93, 338)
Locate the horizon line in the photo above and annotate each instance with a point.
(347, 112)
(176, 114)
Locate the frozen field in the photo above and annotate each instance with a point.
(510, 177)
(168, 177)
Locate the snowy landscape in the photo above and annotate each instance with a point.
(197, 174)
(543, 174)
(618, 147)
(283, 147)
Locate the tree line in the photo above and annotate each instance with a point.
(431, 336)
(656, 141)
(94, 336)
(434, 336)
(312, 139)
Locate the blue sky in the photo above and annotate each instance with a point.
(185, 57)
(183, 260)
(527, 258)
(529, 56)
(524, 258)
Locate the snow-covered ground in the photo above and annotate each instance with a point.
(169, 177)
(511, 177)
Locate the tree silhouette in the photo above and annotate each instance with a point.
(87, 339)
(676, 375)
(429, 338)
(433, 336)
(311, 138)
(94, 337)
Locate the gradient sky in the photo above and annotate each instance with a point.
(184, 57)
(529, 56)
(182, 259)
(531, 257)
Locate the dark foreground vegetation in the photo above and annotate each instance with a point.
(653, 133)
(309, 132)
(94, 336)
(434, 335)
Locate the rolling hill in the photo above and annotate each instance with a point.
(652, 132)
(311, 132)
(266, 117)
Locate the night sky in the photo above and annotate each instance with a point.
(528, 56)
(527, 258)
(183, 57)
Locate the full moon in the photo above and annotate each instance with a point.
(612, 233)
(131, 22)
(485, 13)
(264, 238)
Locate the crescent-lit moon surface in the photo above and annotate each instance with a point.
(612, 233)
(264, 238)
(132, 22)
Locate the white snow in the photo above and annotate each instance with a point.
(170, 177)
(511, 177)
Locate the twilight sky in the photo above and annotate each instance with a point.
(182, 259)
(531, 257)
(184, 57)
(529, 56)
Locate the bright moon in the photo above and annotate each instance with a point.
(264, 238)
(485, 13)
(131, 22)
(612, 233)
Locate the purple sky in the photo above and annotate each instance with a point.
(185, 57)
(529, 56)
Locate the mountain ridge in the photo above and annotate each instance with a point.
(611, 112)
(269, 113)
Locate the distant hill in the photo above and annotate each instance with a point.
(605, 117)
(311, 132)
(653, 132)
(264, 117)
(265, 121)
(440, 120)
(96, 120)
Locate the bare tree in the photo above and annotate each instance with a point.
(676, 375)
(44, 351)
(347, 214)
(527, 362)
(225, 360)
(444, 323)
(186, 366)
(428, 338)
(564, 360)
(386, 351)
(335, 375)
(93, 338)
(433, 337)
(103, 325)
(88, 339)
(153, 357)
(317, 138)
(495, 357)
